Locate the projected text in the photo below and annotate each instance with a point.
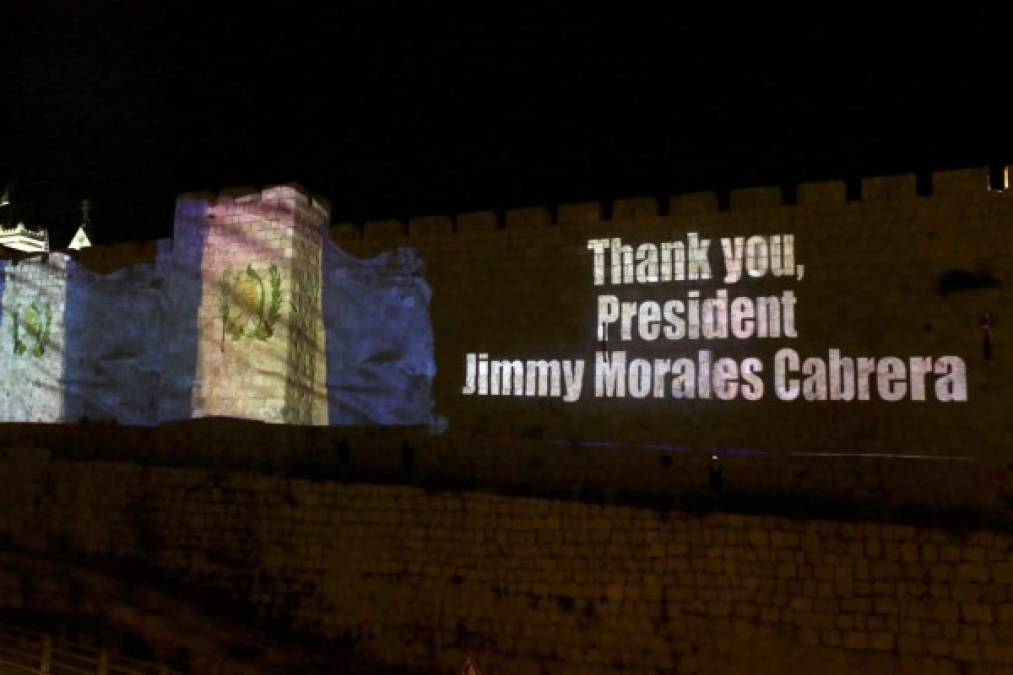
(698, 315)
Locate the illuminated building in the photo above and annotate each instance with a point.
(21, 238)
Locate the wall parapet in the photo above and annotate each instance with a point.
(900, 188)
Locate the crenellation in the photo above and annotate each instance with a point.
(970, 182)
(878, 189)
(747, 199)
(528, 217)
(380, 229)
(581, 213)
(635, 208)
(427, 226)
(889, 188)
(693, 203)
(476, 221)
(874, 189)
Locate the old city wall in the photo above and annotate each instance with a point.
(275, 234)
(862, 577)
(227, 320)
(890, 269)
(891, 273)
(420, 579)
(38, 285)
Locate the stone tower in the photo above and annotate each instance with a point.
(260, 333)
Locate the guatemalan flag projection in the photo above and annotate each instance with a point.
(76, 344)
(117, 328)
(290, 329)
(32, 331)
(251, 312)
(379, 338)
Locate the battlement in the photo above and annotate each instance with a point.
(292, 198)
(269, 201)
(894, 189)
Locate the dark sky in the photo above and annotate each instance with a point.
(390, 113)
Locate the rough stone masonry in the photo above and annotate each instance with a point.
(529, 585)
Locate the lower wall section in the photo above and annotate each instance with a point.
(528, 585)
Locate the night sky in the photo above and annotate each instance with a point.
(395, 114)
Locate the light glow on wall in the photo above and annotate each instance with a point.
(249, 312)
(32, 327)
(642, 365)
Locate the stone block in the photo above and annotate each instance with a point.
(745, 199)
(856, 640)
(346, 231)
(882, 188)
(634, 208)
(383, 229)
(532, 216)
(887, 606)
(911, 645)
(821, 192)
(1003, 573)
(477, 221)
(694, 202)
(966, 592)
(960, 182)
(966, 652)
(429, 226)
(882, 642)
(945, 611)
(975, 613)
(284, 192)
(998, 653)
(1005, 613)
(573, 214)
(972, 571)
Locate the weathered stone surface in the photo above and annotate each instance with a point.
(585, 212)
(821, 192)
(368, 560)
(634, 208)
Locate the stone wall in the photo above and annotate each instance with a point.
(117, 325)
(224, 320)
(889, 270)
(261, 264)
(32, 333)
(306, 393)
(419, 580)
